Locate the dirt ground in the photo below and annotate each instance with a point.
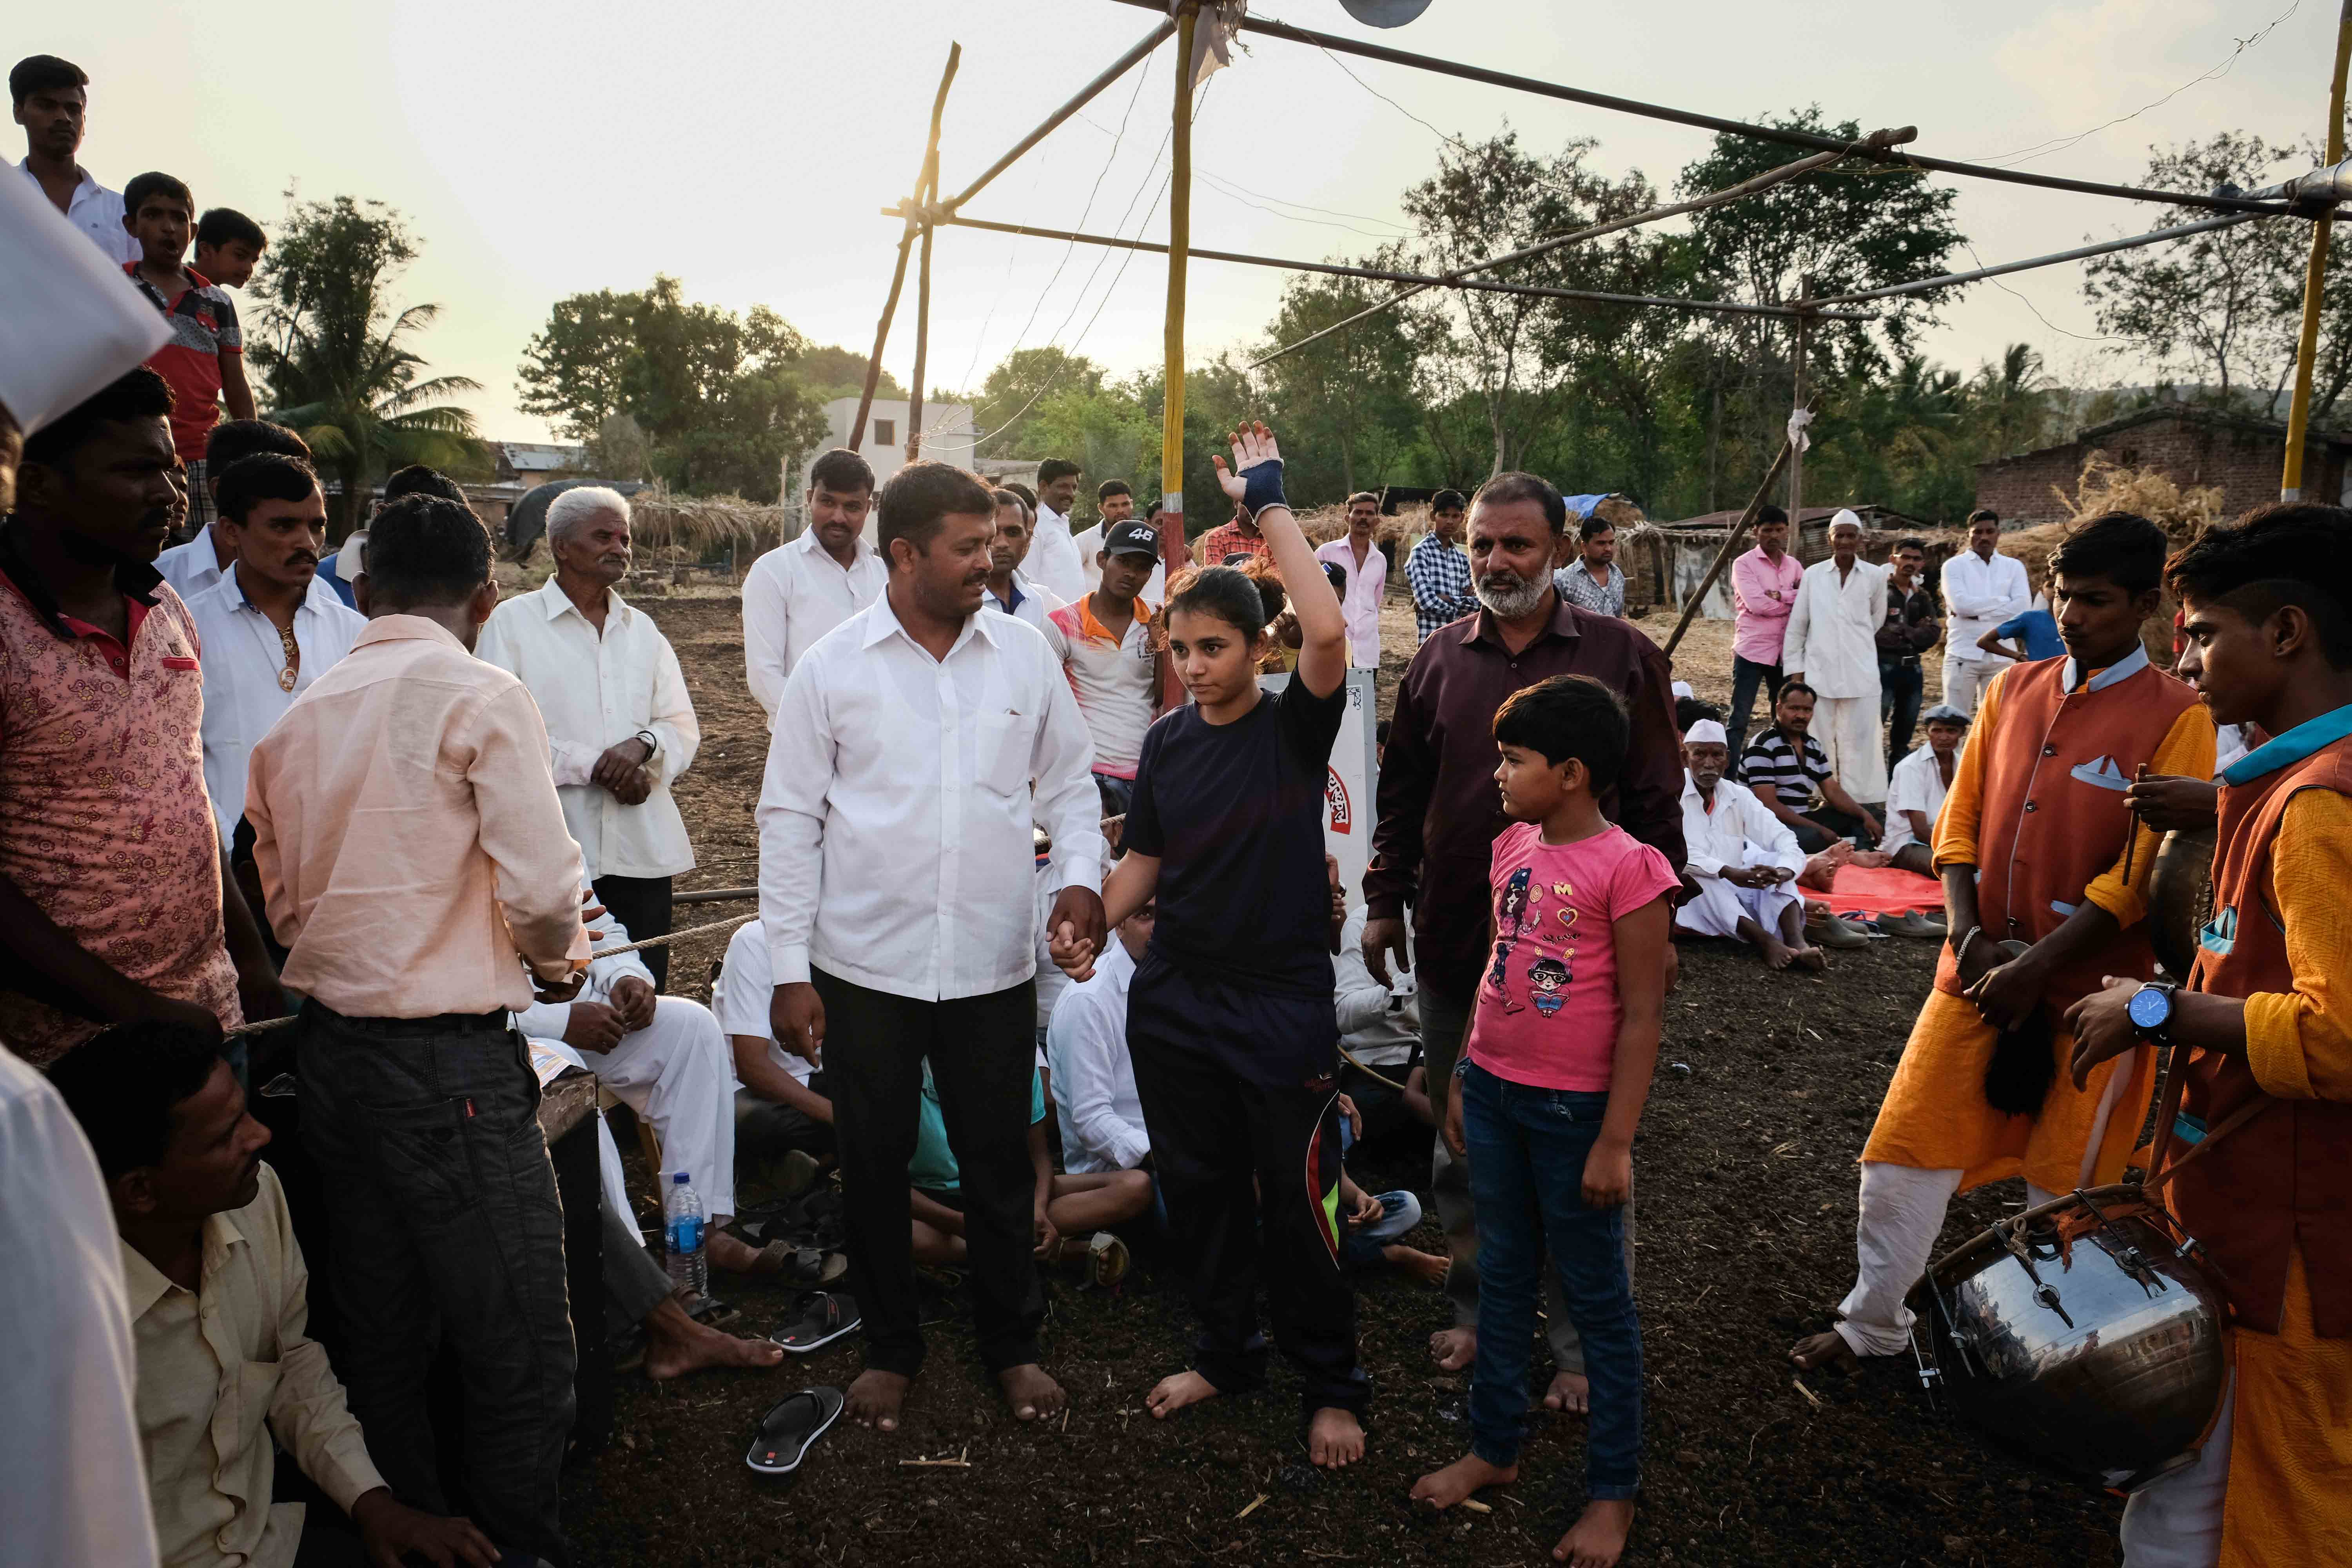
(1766, 1088)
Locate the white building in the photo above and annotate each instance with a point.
(948, 435)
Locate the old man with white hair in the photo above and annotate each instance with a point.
(1743, 860)
(620, 726)
(1831, 646)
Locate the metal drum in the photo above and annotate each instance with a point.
(2181, 897)
(2086, 1332)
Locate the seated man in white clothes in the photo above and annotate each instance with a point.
(1092, 1078)
(1743, 860)
(780, 1107)
(1380, 1026)
(1914, 792)
(664, 1057)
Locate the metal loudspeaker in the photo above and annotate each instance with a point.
(1384, 13)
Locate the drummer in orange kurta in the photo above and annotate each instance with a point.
(2030, 847)
(2268, 1192)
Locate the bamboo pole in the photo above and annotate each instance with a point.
(1786, 137)
(2314, 276)
(928, 170)
(1796, 406)
(1179, 238)
(1116, 69)
(1386, 275)
(1745, 188)
(1730, 547)
(1950, 279)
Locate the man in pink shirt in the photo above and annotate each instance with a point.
(1368, 578)
(1764, 583)
(418, 870)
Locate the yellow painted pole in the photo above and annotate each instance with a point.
(1180, 237)
(2314, 276)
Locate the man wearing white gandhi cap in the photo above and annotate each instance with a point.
(1743, 860)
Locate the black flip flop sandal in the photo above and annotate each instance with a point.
(787, 1431)
(824, 1317)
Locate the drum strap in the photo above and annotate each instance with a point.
(2162, 1169)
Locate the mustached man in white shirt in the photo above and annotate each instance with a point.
(1054, 560)
(916, 748)
(270, 626)
(1982, 588)
(806, 586)
(1831, 646)
(1743, 859)
(620, 725)
(1009, 589)
(196, 565)
(51, 97)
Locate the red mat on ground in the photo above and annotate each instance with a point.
(1885, 891)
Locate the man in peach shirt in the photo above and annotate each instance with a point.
(418, 870)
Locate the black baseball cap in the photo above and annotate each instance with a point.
(1132, 537)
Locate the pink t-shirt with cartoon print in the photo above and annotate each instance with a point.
(1548, 1009)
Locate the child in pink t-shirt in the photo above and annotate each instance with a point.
(1562, 1042)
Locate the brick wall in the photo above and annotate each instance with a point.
(2244, 463)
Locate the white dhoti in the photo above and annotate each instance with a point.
(678, 1073)
(1902, 1212)
(1720, 906)
(2175, 1521)
(1848, 730)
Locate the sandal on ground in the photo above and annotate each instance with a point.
(787, 1431)
(1106, 1260)
(824, 1317)
(709, 1311)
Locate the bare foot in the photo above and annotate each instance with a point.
(1829, 1350)
(1426, 1266)
(1454, 1349)
(1571, 1392)
(1808, 957)
(875, 1396)
(1597, 1539)
(1175, 1393)
(676, 1344)
(1776, 952)
(1334, 1438)
(1444, 1488)
(1030, 1392)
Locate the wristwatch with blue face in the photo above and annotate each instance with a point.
(2151, 1011)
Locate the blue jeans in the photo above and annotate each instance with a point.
(1747, 678)
(1527, 1148)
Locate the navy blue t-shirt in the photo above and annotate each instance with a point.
(1234, 814)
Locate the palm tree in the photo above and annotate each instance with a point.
(334, 358)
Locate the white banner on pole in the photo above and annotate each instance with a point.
(1348, 784)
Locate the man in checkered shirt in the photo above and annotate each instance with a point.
(1438, 570)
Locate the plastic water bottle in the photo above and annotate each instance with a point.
(682, 1229)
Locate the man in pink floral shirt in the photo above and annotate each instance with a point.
(1764, 583)
(113, 899)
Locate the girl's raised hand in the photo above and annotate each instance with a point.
(1251, 444)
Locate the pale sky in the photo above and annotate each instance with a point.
(747, 148)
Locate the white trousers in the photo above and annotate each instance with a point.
(1721, 906)
(1966, 679)
(2175, 1522)
(1895, 1234)
(678, 1073)
(1848, 728)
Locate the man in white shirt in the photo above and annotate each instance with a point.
(1743, 859)
(1054, 552)
(803, 588)
(780, 1100)
(193, 566)
(912, 753)
(1982, 588)
(1093, 1076)
(270, 626)
(50, 98)
(620, 725)
(1115, 500)
(1109, 648)
(1368, 578)
(1832, 647)
(1914, 795)
(1008, 590)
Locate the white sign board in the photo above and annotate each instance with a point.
(1348, 787)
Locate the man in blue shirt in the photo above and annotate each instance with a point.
(2026, 637)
